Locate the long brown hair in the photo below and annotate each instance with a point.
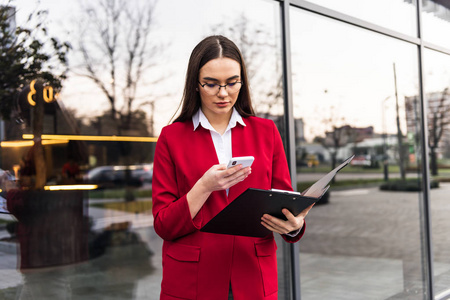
(210, 48)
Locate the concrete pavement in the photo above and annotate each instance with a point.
(364, 244)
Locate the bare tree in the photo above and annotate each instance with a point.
(257, 45)
(401, 153)
(438, 121)
(337, 137)
(117, 53)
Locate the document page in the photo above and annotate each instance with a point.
(321, 186)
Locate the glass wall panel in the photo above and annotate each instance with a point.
(437, 84)
(352, 91)
(436, 22)
(98, 133)
(398, 15)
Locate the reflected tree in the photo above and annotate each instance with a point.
(438, 122)
(117, 53)
(334, 140)
(258, 47)
(401, 152)
(27, 54)
(337, 137)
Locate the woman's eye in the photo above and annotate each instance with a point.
(231, 84)
(211, 85)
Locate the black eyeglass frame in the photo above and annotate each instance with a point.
(221, 86)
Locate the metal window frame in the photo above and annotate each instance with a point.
(425, 216)
(293, 249)
(285, 5)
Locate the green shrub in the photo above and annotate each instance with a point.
(409, 185)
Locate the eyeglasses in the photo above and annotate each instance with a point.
(214, 88)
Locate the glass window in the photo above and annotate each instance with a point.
(436, 66)
(398, 15)
(351, 87)
(436, 21)
(98, 136)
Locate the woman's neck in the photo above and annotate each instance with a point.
(219, 122)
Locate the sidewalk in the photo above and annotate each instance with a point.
(129, 270)
(347, 253)
(365, 244)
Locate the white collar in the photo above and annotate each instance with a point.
(200, 118)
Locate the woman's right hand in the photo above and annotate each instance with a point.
(217, 178)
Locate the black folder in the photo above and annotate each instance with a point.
(243, 215)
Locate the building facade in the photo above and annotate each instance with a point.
(86, 231)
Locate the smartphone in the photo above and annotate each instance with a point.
(245, 161)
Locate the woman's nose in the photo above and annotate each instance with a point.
(223, 91)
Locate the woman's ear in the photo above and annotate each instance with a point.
(196, 89)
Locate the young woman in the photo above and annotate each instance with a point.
(191, 183)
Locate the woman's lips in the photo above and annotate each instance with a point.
(221, 104)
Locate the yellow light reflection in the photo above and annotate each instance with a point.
(92, 138)
(50, 142)
(48, 94)
(16, 169)
(12, 144)
(72, 187)
(31, 93)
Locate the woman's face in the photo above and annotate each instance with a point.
(219, 71)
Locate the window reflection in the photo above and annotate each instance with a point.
(65, 237)
(350, 96)
(398, 15)
(94, 241)
(436, 92)
(436, 21)
(92, 211)
(259, 43)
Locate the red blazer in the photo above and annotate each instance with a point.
(199, 265)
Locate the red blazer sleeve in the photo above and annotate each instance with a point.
(172, 218)
(281, 178)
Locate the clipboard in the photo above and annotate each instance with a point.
(243, 215)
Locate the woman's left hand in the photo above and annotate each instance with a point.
(292, 224)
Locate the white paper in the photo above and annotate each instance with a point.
(321, 186)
